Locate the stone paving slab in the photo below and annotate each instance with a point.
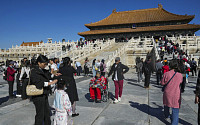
(139, 106)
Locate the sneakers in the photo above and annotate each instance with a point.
(115, 101)
(119, 99)
(19, 96)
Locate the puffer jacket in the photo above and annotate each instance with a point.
(11, 74)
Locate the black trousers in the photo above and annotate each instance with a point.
(42, 110)
(147, 80)
(194, 70)
(78, 71)
(24, 85)
(199, 114)
(19, 88)
(159, 77)
(86, 71)
(11, 83)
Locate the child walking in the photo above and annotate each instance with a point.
(62, 105)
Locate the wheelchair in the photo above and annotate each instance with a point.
(105, 92)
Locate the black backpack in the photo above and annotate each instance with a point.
(5, 75)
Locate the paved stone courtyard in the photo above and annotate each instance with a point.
(139, 106)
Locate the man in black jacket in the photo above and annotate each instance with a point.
(117, 71)
(147, 69)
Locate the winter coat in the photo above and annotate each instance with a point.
(120, 67)
(147, 68)
(139, 67)
(172, 93)
(165, 68)
(11, 74)
(38, 77)
(68, 75)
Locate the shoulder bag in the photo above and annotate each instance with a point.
(31, 90)
(163, 88)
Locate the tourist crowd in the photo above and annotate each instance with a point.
(57, 77)
(172, 72)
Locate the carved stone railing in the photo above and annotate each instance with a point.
(79, 53)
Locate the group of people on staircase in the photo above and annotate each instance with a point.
(172, 75)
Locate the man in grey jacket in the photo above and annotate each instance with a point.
(139, 66)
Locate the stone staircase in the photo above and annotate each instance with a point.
(104, 54)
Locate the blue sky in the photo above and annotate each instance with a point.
(36, 20)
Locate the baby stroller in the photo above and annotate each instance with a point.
(104, 92)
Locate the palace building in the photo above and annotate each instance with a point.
(144, 23)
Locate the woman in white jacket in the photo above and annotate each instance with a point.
(24, 78)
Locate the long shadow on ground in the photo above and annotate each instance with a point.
(4, 99)
(134, 82)
(155, 112)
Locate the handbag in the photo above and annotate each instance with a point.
(163, 88)
(96, 68)
(31, 90)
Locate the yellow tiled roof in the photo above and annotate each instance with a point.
(141, 29)
(140, 16)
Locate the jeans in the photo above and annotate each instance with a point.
(118, 88)
(175, 115)
(139, 76)
(94, 72)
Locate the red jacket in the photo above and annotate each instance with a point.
(165, 68)
(11, 74)
(185, 59)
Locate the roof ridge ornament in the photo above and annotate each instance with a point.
(114, 10)
(160, 6)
